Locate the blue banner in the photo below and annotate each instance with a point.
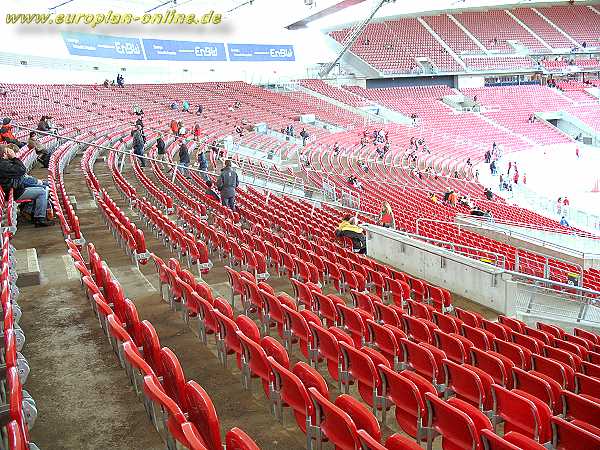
(260, 52)
(101, 46)
(158, 49)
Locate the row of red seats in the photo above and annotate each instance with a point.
(266, 359)
(346, 360)
(20, 407)
(181, 410)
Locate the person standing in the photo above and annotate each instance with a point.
(160, 148)
(184, 159)
(203, 164)
(227, 184)
(138, 145)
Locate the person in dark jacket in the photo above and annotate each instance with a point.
(138, 145)
(227, 183)
(203, 164)
(184, 159)
(304, 136)
(160, 148)
(12, 174)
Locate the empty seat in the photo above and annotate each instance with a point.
(236, 439)
(341, 420)
(459, 423)
(581, 411)
(567, 436)
(407, 391)
(510, 441)
(521, 414)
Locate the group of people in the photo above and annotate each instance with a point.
(185, 107)
(13, 176)
(119, 82)
(236, 105)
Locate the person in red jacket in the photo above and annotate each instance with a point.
(6, 134)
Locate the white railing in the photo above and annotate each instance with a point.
(537, 202)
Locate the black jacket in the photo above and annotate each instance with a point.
(11, 170)
(184, 154)
(160, 145)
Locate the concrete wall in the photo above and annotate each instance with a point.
(477, 281)
(470, 81)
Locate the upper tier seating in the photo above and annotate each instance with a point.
(579, 22)
(391, 46)
(495, 28)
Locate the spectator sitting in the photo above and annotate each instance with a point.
(433, 197)
(174, 127)
(352, 180)
(43, 155)
(13, 176)
(182, 129)
(453, 198)
(210, 192)
(185, 106)
(7, 135)
(106, 83)
(137, 110)
(349, 228)
(386, 216)
(477, 212)
(488, 215)
(199, 110)
(488, 194)
(174, 106)
(363, 166)
(239, 130)
(564, 222)
(45, 125)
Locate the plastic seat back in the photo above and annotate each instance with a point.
(459, 423)
(236, 439)
(567, 436)
(407, 392)
(202, 413)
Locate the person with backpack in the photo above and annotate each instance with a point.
(227, 184)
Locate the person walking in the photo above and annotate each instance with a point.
(138, 145)
(184, 159)
(227, 184)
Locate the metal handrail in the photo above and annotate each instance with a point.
(193, 169)
(541, 242)
(454, 245)
(532, 226)
(532, 278)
